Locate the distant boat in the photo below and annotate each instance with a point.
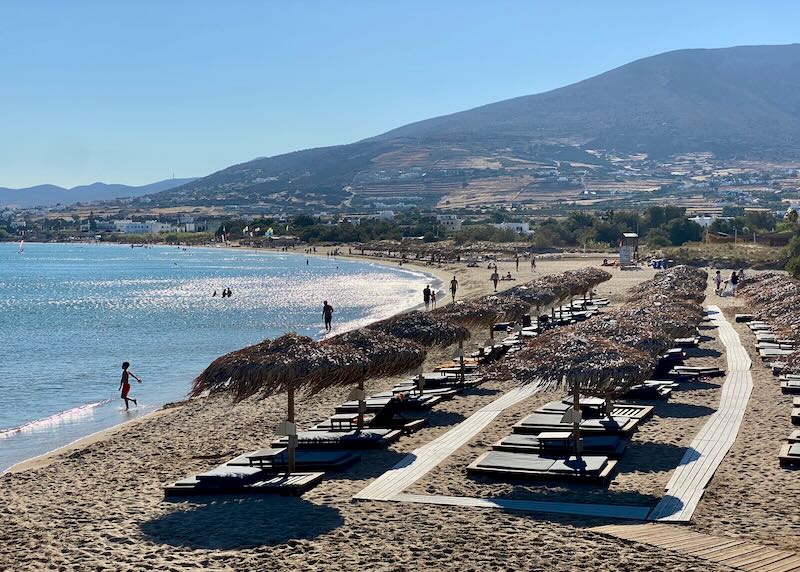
(22, 246)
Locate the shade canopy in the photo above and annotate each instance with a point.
(274, 366)
(422, 327)
(594, 365)
(385, 354)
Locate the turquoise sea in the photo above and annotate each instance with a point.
(71, 314)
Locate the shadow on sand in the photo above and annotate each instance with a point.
(229, 522)
(684, 411)
(374, 462)
(444, 418)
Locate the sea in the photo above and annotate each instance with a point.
(70, 314)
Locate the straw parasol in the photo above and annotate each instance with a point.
(274, 366)
(385, 355)
(423, 328)
(288, 363)
(587, 364)
(617, 327)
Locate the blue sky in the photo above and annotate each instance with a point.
(132, 92)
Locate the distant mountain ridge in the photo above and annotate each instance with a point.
(45, 195)
(741, 103)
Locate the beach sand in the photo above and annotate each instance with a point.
(99, 505)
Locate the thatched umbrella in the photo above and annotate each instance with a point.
(617, 327)
(385, 355)
(468, 313)
(586, 364)
(288, 363)
(423, 328)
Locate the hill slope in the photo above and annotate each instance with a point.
(43, 195)
(741, 102)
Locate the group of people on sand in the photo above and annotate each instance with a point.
(429, 297)
(728, 287)
(429, 294)
(226, 293)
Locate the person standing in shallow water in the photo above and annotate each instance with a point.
(327, 315)
(426, 296)
(125, 386)
(433, 299)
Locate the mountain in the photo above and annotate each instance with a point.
(44, 195)
(729, 103)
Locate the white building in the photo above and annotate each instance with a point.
(518, 227)
(127, 226)
(449, 222)
(707, 220)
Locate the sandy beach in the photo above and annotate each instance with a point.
(98, 505)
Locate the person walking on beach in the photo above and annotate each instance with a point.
(516, 260)
(426, 296)
(327, 315)
(734, 282)
(718, 283)
(495, 278)
(125, 386)
(453, 288)
(433, 299)
(533, 264)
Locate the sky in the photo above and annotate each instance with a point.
(138, 91)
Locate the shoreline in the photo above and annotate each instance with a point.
(44, 459)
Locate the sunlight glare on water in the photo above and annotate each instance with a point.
(70, 314)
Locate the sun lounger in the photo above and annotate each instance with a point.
(293, 484)
(704, 371)
(595, 407)
(770, 353)
(690, 342)
(789, 455)
(411, 390)
(538, 422)
(648, 392)
(364, 439)
(796, 416)
(743, 317)
(794, 436)
(561, 442)
(375, 404)
(790, 386)
(503, 464)
(674, 354)
(277, 459)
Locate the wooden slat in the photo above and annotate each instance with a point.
(712, 443)
(424, 459)
(731, 552)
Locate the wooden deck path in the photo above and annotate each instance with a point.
(737, 554)
(715, 439)
(419, 462)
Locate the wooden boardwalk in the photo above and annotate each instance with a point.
(419, 462)
(715, 439)
(737, 554)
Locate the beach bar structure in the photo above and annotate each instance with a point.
(628, 249)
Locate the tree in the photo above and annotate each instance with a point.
(303, 220)
(681, 231)
(657, 238)
(793, 257)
